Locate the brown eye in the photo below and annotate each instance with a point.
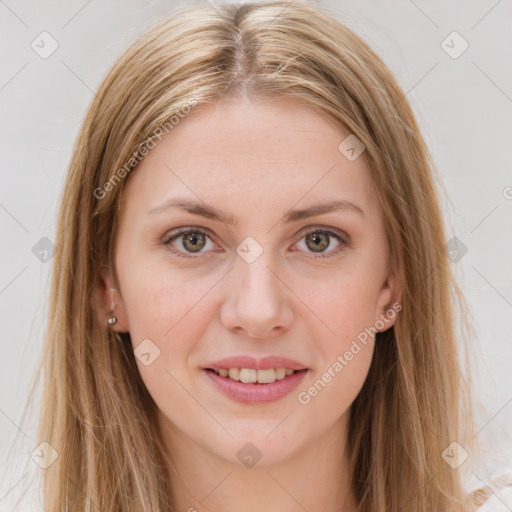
(317, 240)
(193, 241)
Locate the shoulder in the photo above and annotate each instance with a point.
(497, 497)
(500, 501)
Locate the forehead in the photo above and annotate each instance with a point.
(278, 153)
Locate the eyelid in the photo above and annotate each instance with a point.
(183, 231)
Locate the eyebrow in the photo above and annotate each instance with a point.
(211, 212)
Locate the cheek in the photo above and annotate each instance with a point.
(157, 296)
(342, 325)
(165, 306)
(167, 309)
(342, 305)
(333, 390)
(346, 350)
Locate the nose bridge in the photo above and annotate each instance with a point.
(257, 282)
(256, 294)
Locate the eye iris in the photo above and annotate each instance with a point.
(317, 237)
(193, 238)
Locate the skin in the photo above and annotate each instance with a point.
(256, 161)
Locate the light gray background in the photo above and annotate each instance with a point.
(463, 105)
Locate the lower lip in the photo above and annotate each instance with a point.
(257, 393)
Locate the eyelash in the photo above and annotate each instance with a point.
(173, 236)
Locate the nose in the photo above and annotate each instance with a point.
(257, 301)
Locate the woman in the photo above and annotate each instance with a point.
(252, 304)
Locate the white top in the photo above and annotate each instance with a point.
(501, 501)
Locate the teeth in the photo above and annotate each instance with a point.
(251, 376)
(248, 376)
(233, 373)
(281, 373)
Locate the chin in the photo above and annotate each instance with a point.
(254, 447)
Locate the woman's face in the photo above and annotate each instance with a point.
(259, 279)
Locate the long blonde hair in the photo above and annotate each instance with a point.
(96, 411)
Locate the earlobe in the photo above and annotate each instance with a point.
(112, 311)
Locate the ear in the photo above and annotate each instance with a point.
(389, 300)
(107, 294)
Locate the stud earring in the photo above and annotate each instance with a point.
(112, 319)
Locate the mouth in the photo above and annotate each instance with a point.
(251, 386)
(251, 380)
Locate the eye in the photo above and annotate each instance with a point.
(193, 240)
(319, 240)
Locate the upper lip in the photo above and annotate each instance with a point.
(258, 364)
